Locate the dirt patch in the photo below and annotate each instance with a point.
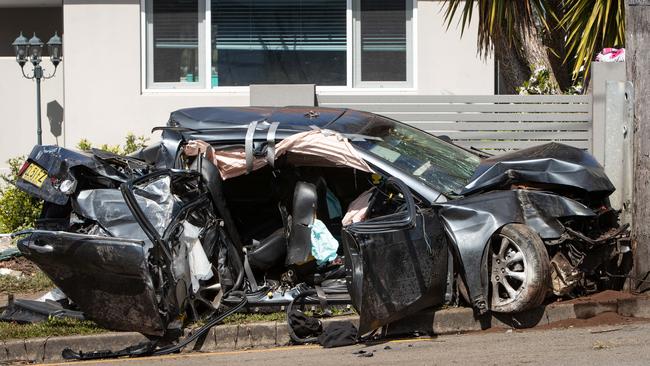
(604, 296)
(5, 243)
(608, 318)
(21, 264)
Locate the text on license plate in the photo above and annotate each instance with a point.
(34, 175)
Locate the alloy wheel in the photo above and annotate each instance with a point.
(508, 271)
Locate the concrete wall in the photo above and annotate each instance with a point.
(601, 74)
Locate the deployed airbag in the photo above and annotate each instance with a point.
(200, 266)
(323, 244)
(310, 148)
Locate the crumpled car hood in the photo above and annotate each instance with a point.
(553, 163)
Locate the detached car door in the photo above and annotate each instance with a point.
(396, 263)
(107, 277)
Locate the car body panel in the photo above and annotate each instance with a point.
(108, 278)
(396, 264)
(551, 163)
(58, 162)
(471, 222)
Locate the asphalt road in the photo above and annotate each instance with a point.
(626, 344)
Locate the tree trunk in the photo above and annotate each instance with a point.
(517, 59)
(637, 38)
(556, 48)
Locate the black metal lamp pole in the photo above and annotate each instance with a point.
(31, 50)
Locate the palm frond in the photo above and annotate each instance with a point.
(591, 25)
(497, 19)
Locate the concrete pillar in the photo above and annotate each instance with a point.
(602, 72)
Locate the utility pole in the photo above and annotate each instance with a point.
(637, 42)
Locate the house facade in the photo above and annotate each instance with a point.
(128, 63)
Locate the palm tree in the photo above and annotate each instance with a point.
(591, 25)
(561, 36)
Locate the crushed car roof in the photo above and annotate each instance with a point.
(227, 117)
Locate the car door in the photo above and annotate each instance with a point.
(396, 262)
(107, 277)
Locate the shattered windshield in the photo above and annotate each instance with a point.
(442, 166)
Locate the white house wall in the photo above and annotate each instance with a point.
(447, 63)
(103, 92)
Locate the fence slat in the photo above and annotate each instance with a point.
(326, 100)
(496, 123)
(499, 126)
(489, 117)
(514, 145)
(509, 135)
(528, 108)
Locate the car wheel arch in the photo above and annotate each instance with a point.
(471, 222)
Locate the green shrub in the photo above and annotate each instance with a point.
(132, 143)
(18, 210)
(538, 83)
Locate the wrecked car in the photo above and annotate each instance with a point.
(257, 207)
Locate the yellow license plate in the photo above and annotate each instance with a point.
(34, 175)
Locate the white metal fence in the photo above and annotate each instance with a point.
(495, 123)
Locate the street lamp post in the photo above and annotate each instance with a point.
(31, 50)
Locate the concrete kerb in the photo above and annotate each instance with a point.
(274, 334)
(49, 349)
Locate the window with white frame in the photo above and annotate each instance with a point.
(345, 43)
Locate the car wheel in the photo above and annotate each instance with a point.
(519, 269)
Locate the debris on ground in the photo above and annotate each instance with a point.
(20, 264)
(32, 279)
(9, 253)
(34, 311)
(598, 345)
(363, 353)
(605, 330)
(5, 242)
(10, 272)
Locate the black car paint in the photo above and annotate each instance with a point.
(478, 214)
(59, 162)
(551, 163)
(396, 264)
(107, 277)
(469, 220)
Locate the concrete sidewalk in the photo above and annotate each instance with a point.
(273, 334)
